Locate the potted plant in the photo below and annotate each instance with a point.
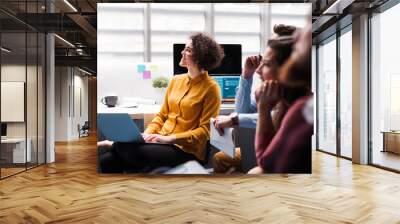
(160, 83)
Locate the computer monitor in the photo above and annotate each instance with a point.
(3, 129)
(231, 64)
(228, 86)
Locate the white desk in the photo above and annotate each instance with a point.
(136, 113)
(227, 108)
(16, 146)
(142, 110)
(146, 113)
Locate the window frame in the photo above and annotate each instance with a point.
(336, 36)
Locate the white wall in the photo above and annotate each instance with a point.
(61, 103)
(16, 73)
(118, 76)
(33, 126)
(67, 115)
(79, 117)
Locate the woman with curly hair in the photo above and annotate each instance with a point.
(183, 123)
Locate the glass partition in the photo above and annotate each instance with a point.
(13, 107)
(23, 90)
(327, 96)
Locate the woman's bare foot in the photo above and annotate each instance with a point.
(256, 170)
(105, 144)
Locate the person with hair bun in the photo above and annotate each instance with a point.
(183, 123)
(283, 30)
(267, 66)
(289, 149)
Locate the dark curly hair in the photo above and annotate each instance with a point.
(284, 30)
(206, 52)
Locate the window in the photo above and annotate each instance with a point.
(239, 24)
(120, 29)
(385, 89)
(327, 96)
(120, 43)
(173, 23)
(346, 93)
(129, 34)
(290, 14)
(314, 90)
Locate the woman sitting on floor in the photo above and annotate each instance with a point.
(183, 122)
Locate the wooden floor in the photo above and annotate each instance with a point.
(386, 159)
(10, 171)
(70, 191)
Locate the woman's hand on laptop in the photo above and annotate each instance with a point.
(159, 138)
(149, 137)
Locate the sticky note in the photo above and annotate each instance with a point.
(141, 68)
(153, 68)
(146, 74)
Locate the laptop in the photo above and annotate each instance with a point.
(118, 127)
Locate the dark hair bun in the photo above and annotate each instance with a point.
(284, 30)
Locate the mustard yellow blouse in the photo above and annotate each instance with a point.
(186, 111)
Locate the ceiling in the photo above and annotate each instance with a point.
(77, 23)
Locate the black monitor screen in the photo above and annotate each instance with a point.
(230, 65)
(3, 129)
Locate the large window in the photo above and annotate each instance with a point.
(314, 91)
(239, 24)
(120, 44)
(327, 95)
(334, 60)
(290, 14)
(120, 30)
(346, 92)
(132, 34)
(173, 23)
(385, 89)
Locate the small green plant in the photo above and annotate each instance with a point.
(160, 82)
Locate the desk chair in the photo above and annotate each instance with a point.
(84, 130)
